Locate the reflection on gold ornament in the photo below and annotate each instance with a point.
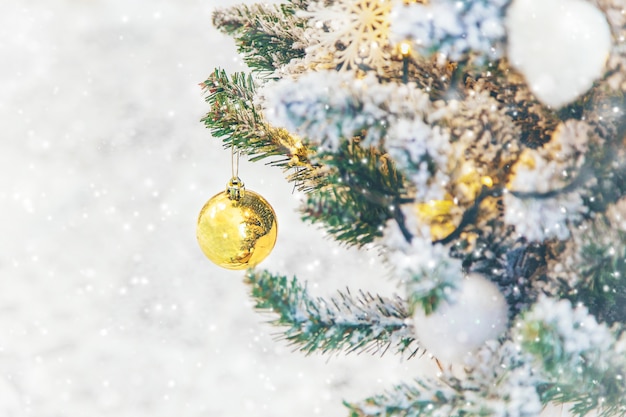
(237, 228)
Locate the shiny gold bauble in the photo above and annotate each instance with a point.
(237, 228)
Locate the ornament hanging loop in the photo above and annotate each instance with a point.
(235, 188)
(234, 161)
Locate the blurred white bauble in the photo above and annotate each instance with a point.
(477, 313)
(560, 46)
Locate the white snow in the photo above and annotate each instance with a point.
(560, 46)
(107, 305)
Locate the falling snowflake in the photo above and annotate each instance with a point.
(348, 34)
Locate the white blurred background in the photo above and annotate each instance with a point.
(107, 305)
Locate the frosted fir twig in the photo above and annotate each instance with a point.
(592, 269)
(234, 119)
(426, 269)
(358, 193)
(581, 169)
(602, 276)
(265, 34)
(498, 383)
(427, 399)
(582, 360)
(330, 107)
(452, 28)
(342, 324)
(483, 132)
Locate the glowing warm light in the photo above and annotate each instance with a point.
(405, 48)
(487, 181)
(438, 215)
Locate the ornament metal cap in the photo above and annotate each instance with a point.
(235, 188)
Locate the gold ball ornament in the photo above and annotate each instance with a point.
(237, 228)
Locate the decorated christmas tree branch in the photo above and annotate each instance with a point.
(468, 141)
(347, 323)
(234, 119)
(265, 34)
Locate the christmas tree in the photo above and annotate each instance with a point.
(480, 148)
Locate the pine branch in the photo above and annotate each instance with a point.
(536, 122)
(265, 34)
(500, 384)
(604, 285)
(424, 400)
(580, 358)
(601, 263)
(360, 193)
(234, 119)
(365, 323)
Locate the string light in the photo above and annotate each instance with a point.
(487, 181)
(405, 48)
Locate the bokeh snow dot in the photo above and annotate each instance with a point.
(478, 314)
(560, 46)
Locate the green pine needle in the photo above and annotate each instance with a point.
(361, 191)
(587, 380)
(265, 34)
(406, 401)
(344, 324)
(234, 119)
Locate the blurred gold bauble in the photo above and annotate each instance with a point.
(237, 228)
(439, 215)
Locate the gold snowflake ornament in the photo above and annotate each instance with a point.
(348, 34)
